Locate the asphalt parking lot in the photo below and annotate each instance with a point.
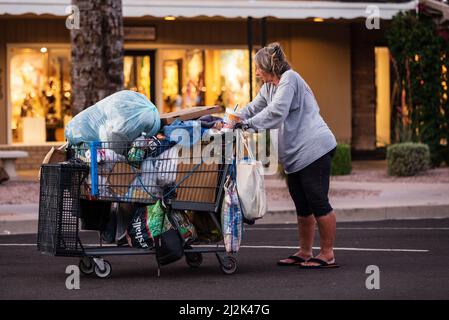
(411, 256)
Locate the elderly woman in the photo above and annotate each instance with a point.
(306, 146)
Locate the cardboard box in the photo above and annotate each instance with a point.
(189, 114)
(201, 186)
(55, 155)
(120, 178)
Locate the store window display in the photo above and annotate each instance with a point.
(196, 77)
(137, 73)
(39, 93)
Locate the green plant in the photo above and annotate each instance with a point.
(407, 159)
(420, 59)
(341, 161)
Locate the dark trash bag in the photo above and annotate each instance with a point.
(94, 215)
(169, 244)
(149, 229)
(169, 247)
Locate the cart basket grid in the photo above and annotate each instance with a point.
(59, 202)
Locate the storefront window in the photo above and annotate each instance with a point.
(171, 85)
(230, 83)
(204, 77)
(137, 73)
(39, 91)
(383, 109)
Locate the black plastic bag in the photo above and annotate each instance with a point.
(94, 215)
(169, 247)
(169, 244)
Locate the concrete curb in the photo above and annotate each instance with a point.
(367, 214)
(18, 209)
(26, 221)
(18, 227)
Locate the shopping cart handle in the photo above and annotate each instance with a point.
(94, 145)
(240, 125)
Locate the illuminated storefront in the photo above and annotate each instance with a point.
(204, 77)
(200, 56)
(138, 73)
(39, 84)
(39, 93)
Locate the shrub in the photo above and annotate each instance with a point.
(407, 159)
(341, 162)
(420, 56)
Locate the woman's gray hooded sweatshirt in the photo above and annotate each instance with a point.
(292, 108)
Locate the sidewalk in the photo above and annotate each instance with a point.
(366, 195)
(371, 201)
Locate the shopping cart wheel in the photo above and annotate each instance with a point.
(86, 266)
(229, 265)
(105, 272)
(194, 259)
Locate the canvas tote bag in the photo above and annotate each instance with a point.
(250, 181)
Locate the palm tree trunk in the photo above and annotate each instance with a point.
(97, 52)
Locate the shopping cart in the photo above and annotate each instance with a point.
(119, 172)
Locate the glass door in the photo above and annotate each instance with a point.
(139, 73)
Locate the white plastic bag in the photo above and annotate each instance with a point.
(250, 182)
(165, 166)
(122, 116)
(144, 186)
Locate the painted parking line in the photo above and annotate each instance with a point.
(249, 247)
(35, 245)
(339, 249)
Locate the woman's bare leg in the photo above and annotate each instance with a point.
(327, 226)
(306, 234)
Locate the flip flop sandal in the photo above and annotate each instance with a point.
(321, 264)
(296, 261)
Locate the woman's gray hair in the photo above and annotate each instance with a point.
(272, 59)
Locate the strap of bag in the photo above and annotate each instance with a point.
(241, 139)
(163, 217)
(158, 241)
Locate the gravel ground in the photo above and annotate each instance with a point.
(19, 192)
(27, 191)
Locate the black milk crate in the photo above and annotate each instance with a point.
(59, 204)
(121, 172)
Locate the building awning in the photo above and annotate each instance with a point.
(282, 9)
(439, 7)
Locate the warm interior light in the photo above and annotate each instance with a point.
(43, 49)
(383, 104)
(318, 19)
(169, 18)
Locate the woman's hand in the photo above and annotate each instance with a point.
(218, 125)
